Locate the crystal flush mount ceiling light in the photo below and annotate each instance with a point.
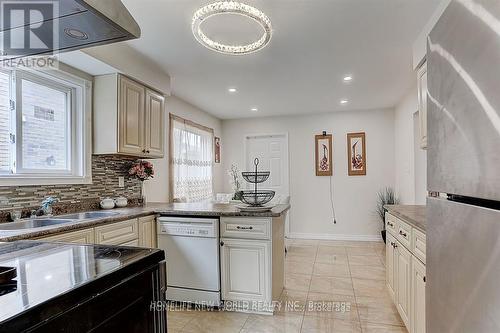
(231, 7)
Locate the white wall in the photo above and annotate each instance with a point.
(157, 189)
(410, 160)
(355, 197)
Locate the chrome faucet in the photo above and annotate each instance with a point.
(45, 208)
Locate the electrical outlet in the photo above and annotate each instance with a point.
(121, 181)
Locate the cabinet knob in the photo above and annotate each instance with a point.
(402, 233)
(147, 151)
(144, 151)
(221, 243)
(424, 279)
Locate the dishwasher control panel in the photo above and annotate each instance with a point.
(191, 227)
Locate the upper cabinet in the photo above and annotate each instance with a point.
(422, 103)
(128, 118)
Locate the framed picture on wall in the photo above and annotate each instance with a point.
(217, 149)
(356, 153)
(324, 163)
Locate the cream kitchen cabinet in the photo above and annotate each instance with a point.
(246, 268)
(147, 231)
(405, 271)
(422, 103)
(85, 236)
(128, 118)
(391, 262)
(252, 261)
(139, 232)
(403, 282)
(418, 280)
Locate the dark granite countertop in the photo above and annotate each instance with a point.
(412, 214)
(46, 271)
(176, 209)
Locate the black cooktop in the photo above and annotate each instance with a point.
(47, 270)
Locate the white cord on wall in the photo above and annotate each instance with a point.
(331, 200)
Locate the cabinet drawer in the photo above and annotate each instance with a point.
(117, 233)
(242, 227)
(418, 244)
(404, 234)
(391, 224)
(85, 236)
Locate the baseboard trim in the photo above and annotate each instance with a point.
(359, 238)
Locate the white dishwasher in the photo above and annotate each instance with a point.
(192, 250)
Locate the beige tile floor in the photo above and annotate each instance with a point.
(339, 286)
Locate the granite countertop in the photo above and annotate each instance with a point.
(48, 270)
(414, 215)
(212, 209)
(122, 214)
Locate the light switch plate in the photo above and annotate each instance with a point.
(121, 181)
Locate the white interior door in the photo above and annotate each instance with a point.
(272, 152)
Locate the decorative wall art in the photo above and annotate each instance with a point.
(356, 154)
(217, 149)
(324, 165)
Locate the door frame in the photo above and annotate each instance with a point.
(287, 158)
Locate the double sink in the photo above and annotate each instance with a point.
(56, 220)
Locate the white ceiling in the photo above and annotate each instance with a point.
(314, 44)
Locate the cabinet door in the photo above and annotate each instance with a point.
(117, 233)
(154, 127)
(391, 266)
(245, 270)
(417, 296)
(422, 103)
(131, 117)
(85, 236)
(147, 231)
(403, 280)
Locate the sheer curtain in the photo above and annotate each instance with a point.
(191, 161)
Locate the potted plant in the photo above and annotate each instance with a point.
(386, 196)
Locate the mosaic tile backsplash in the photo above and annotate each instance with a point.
(105, 172)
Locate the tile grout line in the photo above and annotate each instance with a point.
(354, 292)
(309, 288)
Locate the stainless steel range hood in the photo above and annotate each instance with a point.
(71, 24)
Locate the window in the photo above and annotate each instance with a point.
(44, 128)
(191, 160)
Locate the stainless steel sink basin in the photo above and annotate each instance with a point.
(33, 224)
(87, 215)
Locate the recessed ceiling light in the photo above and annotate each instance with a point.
(348, 78)
(255, 109)
(232, 90)
(344, 101)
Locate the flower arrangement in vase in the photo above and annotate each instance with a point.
(142, 170)
(235, 181)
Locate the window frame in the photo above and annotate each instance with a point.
(79, 128)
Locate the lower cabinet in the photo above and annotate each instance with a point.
(147, 231)
(391, 264)
(252, 259)
(403, 299)
(418, 296)
(245, 272)
(405, 274)
(139, 232)
(85, 236)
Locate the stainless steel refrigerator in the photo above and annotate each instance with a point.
(463, 232)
